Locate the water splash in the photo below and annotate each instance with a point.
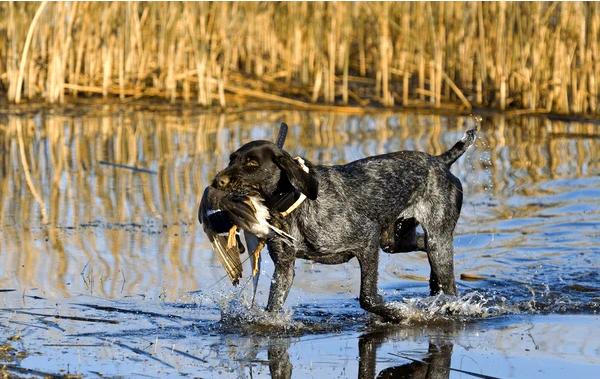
(471, 306)
(239, 316)
(238, 313)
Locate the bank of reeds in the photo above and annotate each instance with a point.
(532, 56)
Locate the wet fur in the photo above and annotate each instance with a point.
(353, 210)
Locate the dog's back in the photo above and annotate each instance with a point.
(368, 199)
(383, 186)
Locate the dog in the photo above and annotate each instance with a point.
(331, 214)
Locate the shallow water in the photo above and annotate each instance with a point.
(78, 234)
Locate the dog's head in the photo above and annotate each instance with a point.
(261, 167)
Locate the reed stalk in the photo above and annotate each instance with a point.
(16, 96)
(533, 56)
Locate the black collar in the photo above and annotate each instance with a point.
(282, 201)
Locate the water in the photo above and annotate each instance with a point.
(80, 237)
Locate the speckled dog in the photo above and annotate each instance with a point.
(336, 213)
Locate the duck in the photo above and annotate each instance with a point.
(225, 216)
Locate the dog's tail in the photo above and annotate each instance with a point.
(450, 156)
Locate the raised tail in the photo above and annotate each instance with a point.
(459, 148)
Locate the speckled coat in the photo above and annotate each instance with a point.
(355, 209)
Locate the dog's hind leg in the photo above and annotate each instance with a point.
(438, 217)
(440, 254)
(370, 300)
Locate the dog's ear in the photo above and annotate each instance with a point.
(302, 180)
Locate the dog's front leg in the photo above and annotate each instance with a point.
(283, 258)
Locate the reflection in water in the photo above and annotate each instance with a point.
(177, 340)
(280, 366)
(435, 364)
(70, 224)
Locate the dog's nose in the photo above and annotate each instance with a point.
(222, 181)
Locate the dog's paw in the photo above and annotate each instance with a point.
(391, 314)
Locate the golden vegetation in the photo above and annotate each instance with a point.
(542, 57)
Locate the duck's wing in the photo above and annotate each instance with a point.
(218, 228)
(240, 210)
(229, 256)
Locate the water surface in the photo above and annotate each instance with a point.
(78, 233)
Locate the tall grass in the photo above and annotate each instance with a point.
(533, 56)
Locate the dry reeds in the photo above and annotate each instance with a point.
(534, 56)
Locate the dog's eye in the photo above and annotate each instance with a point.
(251, 163)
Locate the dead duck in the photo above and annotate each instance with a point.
(223, 215)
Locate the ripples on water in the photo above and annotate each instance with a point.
(71, 225)
(530, 223)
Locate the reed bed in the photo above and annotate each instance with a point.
(540, 57)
